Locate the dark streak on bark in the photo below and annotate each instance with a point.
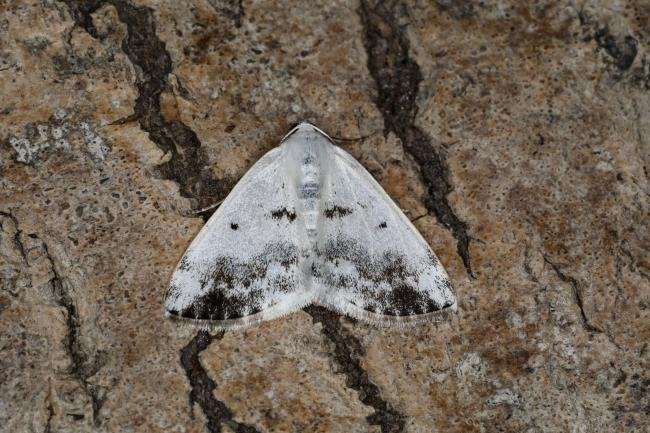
(81, 367)
(17, 241)
(188, 165)
(577, 294)
(397, 78)
(50, 413)
(527, 267)
(232, 9)
(202, 386)
(347, 352)
(458, 9)
(623, 49)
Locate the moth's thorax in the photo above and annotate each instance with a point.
(308, 152)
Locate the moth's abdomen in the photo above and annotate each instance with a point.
(310, 185)
(309, 194)
(310, 190)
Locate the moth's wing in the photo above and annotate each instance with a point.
(243, 266)
(371, 261)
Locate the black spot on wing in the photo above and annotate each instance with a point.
(234, 226)
(383, 225)
(280, 213)
(337, 212)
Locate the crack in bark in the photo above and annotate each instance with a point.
(622, 49)
(577, 294)
(50, 411)
(202, 386)
(81, 368)
(527, 267)
(17, 242)
(347, 354)
(188, 165)
(457, 9)
(48, 422)
(398, 78)
(232, 9)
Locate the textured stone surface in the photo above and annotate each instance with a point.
(515, 134)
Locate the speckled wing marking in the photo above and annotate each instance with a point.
(372, 262)
(243, 266)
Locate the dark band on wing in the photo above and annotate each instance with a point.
(229, 285)
(337, 212)
(404, 296)
(280, 213)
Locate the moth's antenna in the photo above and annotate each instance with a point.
(198, 212)
(363, 137)
(320, 130)
(212, 206)
(294, 129)
(302, 125)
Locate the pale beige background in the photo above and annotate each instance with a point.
(515, 133)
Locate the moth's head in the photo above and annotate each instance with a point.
(308, 152)
(306, 144)
(305, 130)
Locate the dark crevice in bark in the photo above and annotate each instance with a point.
(347, 354)
(81, 367)
(397, 78)
(188, 165)
(232, 9)
(577, 294)
(81, 13)
(202, 386)
(458, 9)
(527, 266)
(623, 50)
(50, 412)
(17, 242)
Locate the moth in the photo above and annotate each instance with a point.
(307, 224)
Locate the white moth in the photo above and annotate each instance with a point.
(307, 224)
